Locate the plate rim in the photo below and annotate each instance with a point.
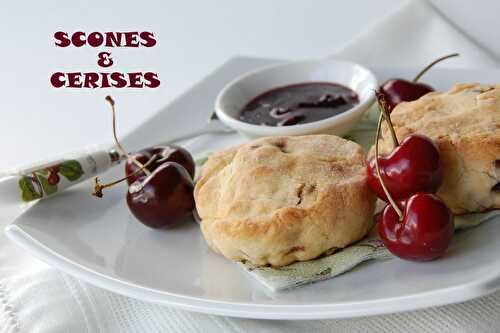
(455, 294)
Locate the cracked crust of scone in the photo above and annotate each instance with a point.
(465, 124)
(284, 199)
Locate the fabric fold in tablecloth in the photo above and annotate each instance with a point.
(412, 36)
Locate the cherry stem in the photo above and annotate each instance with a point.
(379, 175)
(99, 187)
(382, 105)
(426, 68)
(117, 142)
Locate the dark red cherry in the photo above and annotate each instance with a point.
(400, 90)
(53, 178)
(170, 153)
(425, 231)
(413, 166)
(163, 198)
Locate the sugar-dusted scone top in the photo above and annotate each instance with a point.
(465, 123)
(278, 200)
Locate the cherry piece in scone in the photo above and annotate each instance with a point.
(413, 166)
(401, 90)
(167, 153)
(163, 198)
(424, 233)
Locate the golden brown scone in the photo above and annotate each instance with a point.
(277, 200)
(465, 123)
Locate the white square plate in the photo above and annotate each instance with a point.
(98, 240)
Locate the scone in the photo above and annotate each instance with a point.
(465, 123)
(277, 200)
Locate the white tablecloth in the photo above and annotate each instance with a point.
(37, 298)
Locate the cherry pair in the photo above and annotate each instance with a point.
(416, 225)
(164, 196)
(160, 179)
(53, 175)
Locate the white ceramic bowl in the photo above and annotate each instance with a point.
(235, 95)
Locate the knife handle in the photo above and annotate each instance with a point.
(48, 178)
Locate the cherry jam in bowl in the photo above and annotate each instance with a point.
(297, 98)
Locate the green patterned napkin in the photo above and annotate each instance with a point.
(301, 273)
(371, 247)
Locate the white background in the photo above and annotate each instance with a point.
(194, 37)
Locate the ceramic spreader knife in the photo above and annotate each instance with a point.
(43, 179)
